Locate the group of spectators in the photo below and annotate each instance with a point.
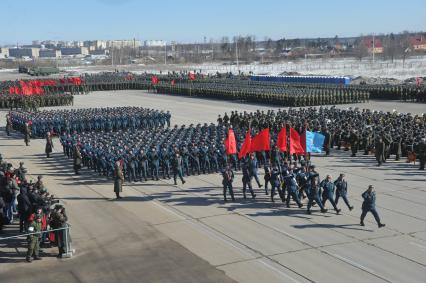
(30, 204)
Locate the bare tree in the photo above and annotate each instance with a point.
(360, 49)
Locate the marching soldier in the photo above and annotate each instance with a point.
(342, 190)
(177, 168)
(228, 178)
(328, 193)
(369, 205)
(247, 181)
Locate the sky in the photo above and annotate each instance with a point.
(22, 21)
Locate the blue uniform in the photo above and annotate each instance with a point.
(369, 205)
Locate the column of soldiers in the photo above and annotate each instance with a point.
(404, 92)
(34, 102)
(88, 120)
(139, 156)
(151, 153)
(148, 153)
(275, 95)
(371, 132)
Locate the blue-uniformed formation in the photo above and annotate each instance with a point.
(88, 120)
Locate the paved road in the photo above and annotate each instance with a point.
(165, 233)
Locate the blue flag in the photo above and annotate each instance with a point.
(314, 142)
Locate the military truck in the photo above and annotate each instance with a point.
(42, 71)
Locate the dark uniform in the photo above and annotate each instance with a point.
(34, 239)
(369, 205)
(342, 190)
(228, 178)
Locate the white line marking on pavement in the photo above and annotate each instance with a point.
(360, 266)
(418, 245)
(353, 263)
(278, 271)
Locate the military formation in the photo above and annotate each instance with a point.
(280, 95)
(224, 87)
(34, 102)
(87, 120)
(369, 132)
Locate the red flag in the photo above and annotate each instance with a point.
(11, 90)
(303, 140)
(18, 90)
(154, 80)
(231, 143)
(245, 148)
(173, 82)
(191, 76)
(261, 141)
(282, 140)
(295, 143)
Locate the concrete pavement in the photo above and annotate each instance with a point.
(165, 233)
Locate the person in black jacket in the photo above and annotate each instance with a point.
(2, 205)
(24, 209)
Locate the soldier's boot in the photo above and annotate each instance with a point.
(324, 210)
(381, 225)
(29, 259)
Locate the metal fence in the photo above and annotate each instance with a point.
(69, 251)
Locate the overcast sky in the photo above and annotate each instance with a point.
(191, 20)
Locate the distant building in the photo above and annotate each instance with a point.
(50, 53)
(418, 43)
(99, 52)
(72, 51)
(154, 43)
(4, 52)
(95, 44)
(24, 52)
(373, 45)
(132, 43)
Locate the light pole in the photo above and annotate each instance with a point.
(373, 47)
(165, 52)
(236, 52)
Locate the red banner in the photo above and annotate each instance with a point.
(154, 80)
(282, 140)
(295, 143)
(261, 141)
(231, 143)
(245, 148)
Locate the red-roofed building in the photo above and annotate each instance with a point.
(418, 43)
(375, 45)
